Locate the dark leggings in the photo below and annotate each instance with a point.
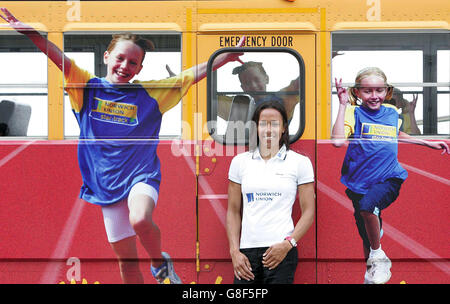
(282, 274)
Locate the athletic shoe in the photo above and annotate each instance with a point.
(367, 278)
(165, 271)
(379, 271)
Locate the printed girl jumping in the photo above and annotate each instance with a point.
(371, 171)
(119, 127)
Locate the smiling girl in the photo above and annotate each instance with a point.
(122, 176)
(371, 171)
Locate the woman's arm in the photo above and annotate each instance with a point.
(241, 264)
(307, 206)
(277, 252)
(437, 145)
(47, 47)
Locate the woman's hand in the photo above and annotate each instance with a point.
(241, 266)
(275, 254)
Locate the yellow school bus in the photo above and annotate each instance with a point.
(50, 235)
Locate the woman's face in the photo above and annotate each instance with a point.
(372, 92)
(270, 128)
(123, 62)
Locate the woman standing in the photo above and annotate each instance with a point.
(263, 241)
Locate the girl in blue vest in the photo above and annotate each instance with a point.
(371, 171)
(122, 176)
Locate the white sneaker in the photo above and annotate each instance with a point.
(367, 278)
(379, 271)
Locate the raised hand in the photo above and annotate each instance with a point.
(169, 70)
(342, 92)
(45, 46)
(232, 56)
(412, 104)
(200, 70)
(14, 22)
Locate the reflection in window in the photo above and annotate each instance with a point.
(416, 64)
(23, 92)
(237, 88)
(164, 61)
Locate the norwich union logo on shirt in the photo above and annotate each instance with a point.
(375, 131)
(115, 112)
(262, 196)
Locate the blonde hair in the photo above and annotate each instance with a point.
(366, 72)
(144, 44)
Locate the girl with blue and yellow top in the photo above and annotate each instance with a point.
(371, 171)
(119, 127)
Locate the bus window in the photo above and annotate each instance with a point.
(23, 87)
(443, 92)
(237, 88)
(87, 51)
(416, 64)
(86, 60)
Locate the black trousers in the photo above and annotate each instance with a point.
(282, 274)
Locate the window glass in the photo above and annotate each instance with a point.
(237, 88)
(443, 98)
(402, 68)
(23, 88)
(86, 60)
(416, 64)
(155, 68)
(88, 51)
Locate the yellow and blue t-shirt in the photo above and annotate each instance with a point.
(371, 156)
(119, 131)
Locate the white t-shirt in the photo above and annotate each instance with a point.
(269, 190)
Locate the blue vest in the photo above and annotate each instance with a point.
(109, 164)
(371, 156)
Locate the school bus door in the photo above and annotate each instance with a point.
(284, 57)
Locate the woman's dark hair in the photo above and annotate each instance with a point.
(273, 104)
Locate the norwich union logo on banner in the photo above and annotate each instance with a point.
(115, 112)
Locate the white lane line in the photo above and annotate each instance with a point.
(52, 271)
(398, 236)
